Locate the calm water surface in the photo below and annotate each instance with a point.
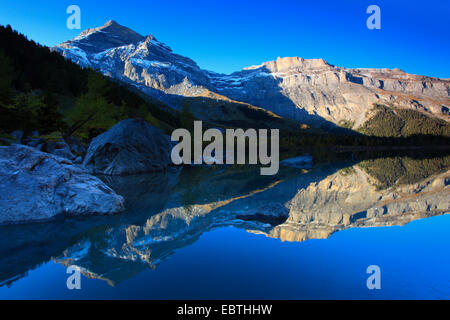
(202, 233)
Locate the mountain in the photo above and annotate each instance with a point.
(313, 89)
(145, 62)
(107, 36)
(41, 91)
(155, 70)
(310, 91)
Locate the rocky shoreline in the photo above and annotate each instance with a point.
(38, 186)
(35, 186)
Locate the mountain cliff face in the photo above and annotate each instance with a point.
(142, 61)
(154, 69)
(313, 90)
(307, 90)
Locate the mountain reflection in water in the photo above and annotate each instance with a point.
(168, 211)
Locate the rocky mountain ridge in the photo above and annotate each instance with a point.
(309, 91)
(152, 67)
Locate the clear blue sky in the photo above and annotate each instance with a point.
(225, 36)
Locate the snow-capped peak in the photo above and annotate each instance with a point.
(110, 35)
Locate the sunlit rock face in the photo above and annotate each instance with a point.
(310, 91)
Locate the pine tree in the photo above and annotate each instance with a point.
(48, 117)
(6, 78)
(187, 118)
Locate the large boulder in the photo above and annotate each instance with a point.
(76, 146)
(38, 186)
(60, 148)
(33, 142)
(131, 146)
(18, 135)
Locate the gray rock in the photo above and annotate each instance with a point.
(60, 148)
(78, 160)
(18, 135)
(76, 146)
(131, 146)
(38, 186)
(35, 142)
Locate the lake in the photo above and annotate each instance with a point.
(187, 234)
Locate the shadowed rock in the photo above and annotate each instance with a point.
(131, 146)
(37, 186)
(60, 148)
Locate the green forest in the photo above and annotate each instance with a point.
(395, 122)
